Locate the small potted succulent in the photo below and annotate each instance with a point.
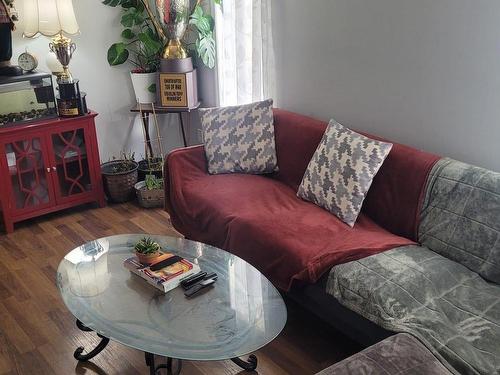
(120, 176)
(147, 250)
(150, 192)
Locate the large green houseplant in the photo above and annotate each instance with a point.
(141, 44)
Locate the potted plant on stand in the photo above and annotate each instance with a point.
(119, 177)
(141, 46)
(142, 43)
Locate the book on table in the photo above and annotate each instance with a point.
(166, 278)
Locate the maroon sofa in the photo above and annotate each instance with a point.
(293, 242)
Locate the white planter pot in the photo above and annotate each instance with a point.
(141, 82)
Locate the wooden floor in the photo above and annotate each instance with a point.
(38, 335)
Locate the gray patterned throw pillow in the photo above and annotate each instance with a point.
(341, 171)
(240, 139)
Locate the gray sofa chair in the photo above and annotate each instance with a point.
(398, 354)
(445, 292)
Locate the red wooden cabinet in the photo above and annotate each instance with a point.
(48, 166)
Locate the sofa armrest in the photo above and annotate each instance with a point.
(188, 162)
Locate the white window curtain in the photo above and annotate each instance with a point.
(245, 54)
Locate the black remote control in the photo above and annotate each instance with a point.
(211, 275)
(193, 279)
(196, 288)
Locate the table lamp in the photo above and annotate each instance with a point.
(56, 19)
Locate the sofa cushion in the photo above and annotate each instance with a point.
(412, 289)
(262, 220)
(342, 170)
(240, 138)
(461, 216)
(396, 355)
(395, 197)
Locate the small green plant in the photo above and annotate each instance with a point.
(153, 183)
(147, 246)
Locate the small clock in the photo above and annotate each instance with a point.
(27, 61)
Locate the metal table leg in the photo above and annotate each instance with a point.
(78, 354)
(249, 365)
(154, 369)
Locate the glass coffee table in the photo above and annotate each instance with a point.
(241, 313)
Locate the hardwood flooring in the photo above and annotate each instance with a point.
(38, 334)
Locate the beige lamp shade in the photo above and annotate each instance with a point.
(49, 18)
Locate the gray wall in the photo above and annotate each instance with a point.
(421, 72)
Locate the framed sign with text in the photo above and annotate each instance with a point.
(173, 90)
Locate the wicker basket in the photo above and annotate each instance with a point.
(119, 187)
(149, 198)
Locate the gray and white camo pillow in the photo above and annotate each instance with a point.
(240, 139)
(342, 170)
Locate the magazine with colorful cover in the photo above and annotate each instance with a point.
(166, 278)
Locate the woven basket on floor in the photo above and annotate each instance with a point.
(119, 187)
(149, 198)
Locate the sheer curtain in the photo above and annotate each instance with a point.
(245, 52)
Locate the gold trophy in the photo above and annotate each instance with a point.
(174, 18)
(177, 84)
(63, 49)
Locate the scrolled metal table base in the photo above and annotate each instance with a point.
(78, 354)
(248, 365)
(153, 368)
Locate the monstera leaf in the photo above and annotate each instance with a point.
(203, 22)
(117, 54)
(205, 47)
(205, 44)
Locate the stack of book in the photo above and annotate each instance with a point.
(166, 278)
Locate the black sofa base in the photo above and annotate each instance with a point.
(315, 299)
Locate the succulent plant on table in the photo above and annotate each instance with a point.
(147, 250)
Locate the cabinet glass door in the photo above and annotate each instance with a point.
(71, 163)
(28, 174)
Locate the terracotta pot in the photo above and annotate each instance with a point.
(147, 258)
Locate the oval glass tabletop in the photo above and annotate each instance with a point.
(239, 315)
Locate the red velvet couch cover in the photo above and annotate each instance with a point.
(260, 218)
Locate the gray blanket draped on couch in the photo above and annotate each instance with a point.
(445, 292)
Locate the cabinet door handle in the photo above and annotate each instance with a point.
(48, 170)
(54, 169)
